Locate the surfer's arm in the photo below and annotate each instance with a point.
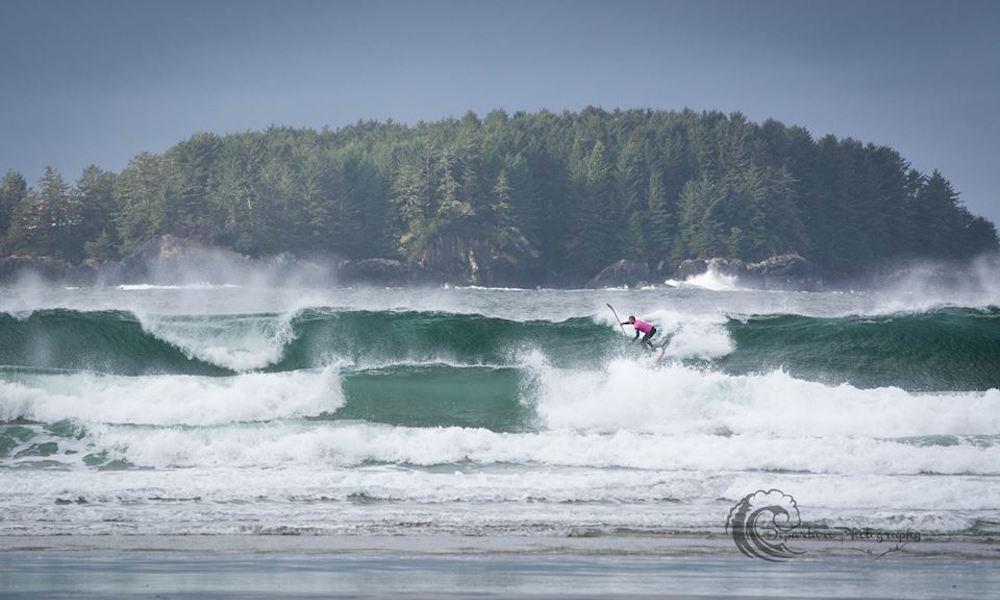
(636, 335)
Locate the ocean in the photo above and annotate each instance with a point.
(458, 411)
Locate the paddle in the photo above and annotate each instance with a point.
(618, 320)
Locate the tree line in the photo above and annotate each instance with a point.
(561, 194)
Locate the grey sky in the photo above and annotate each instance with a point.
(99, 81)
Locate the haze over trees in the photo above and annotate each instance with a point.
(553, 194)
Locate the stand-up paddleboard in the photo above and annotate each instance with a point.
(655, 354)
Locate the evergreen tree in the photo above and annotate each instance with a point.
(600, 212)
(13, 191)
(944, 222)
(635, 240)
(501, 205)
(632, 176)
(140, 191)
(191, 167)
(94, 194)
(661, 227)
(42, 221)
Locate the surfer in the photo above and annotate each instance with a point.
(642, 327)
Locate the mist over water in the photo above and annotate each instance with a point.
(273, 406)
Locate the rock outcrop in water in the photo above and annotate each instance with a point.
(788, 272)
(782, 272)
(621, 273)
(14, 267)
(378, 271)
(169, 260)
(690, 268)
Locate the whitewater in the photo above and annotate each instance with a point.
(227, 409)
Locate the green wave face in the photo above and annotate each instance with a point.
(102, 341)
(947, 349)
(380, 338)
(439, 396)
(116, 342)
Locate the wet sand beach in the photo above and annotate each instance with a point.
(460, 566)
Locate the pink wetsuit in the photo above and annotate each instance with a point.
(642, 326)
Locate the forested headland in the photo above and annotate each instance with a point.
(515, 199)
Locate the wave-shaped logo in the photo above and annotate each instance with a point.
(760, 523)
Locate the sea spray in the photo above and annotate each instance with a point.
(171, 399)
(237, 342)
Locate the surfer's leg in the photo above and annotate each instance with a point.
(646, 343)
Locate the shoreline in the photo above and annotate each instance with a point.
(172, 261)
(456, 567)
(670, 545)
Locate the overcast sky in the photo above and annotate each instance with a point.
(99, 81)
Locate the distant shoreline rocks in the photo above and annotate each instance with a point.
(13, 268)
(172, 260)
(782, 272)
(631, 273)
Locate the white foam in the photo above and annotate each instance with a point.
(348, 444)
(529, 501)
(693, 336)
(711, 279)
(673, 398)
(141, 287)
(240, 343)
(172, 399)
(540, 483)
